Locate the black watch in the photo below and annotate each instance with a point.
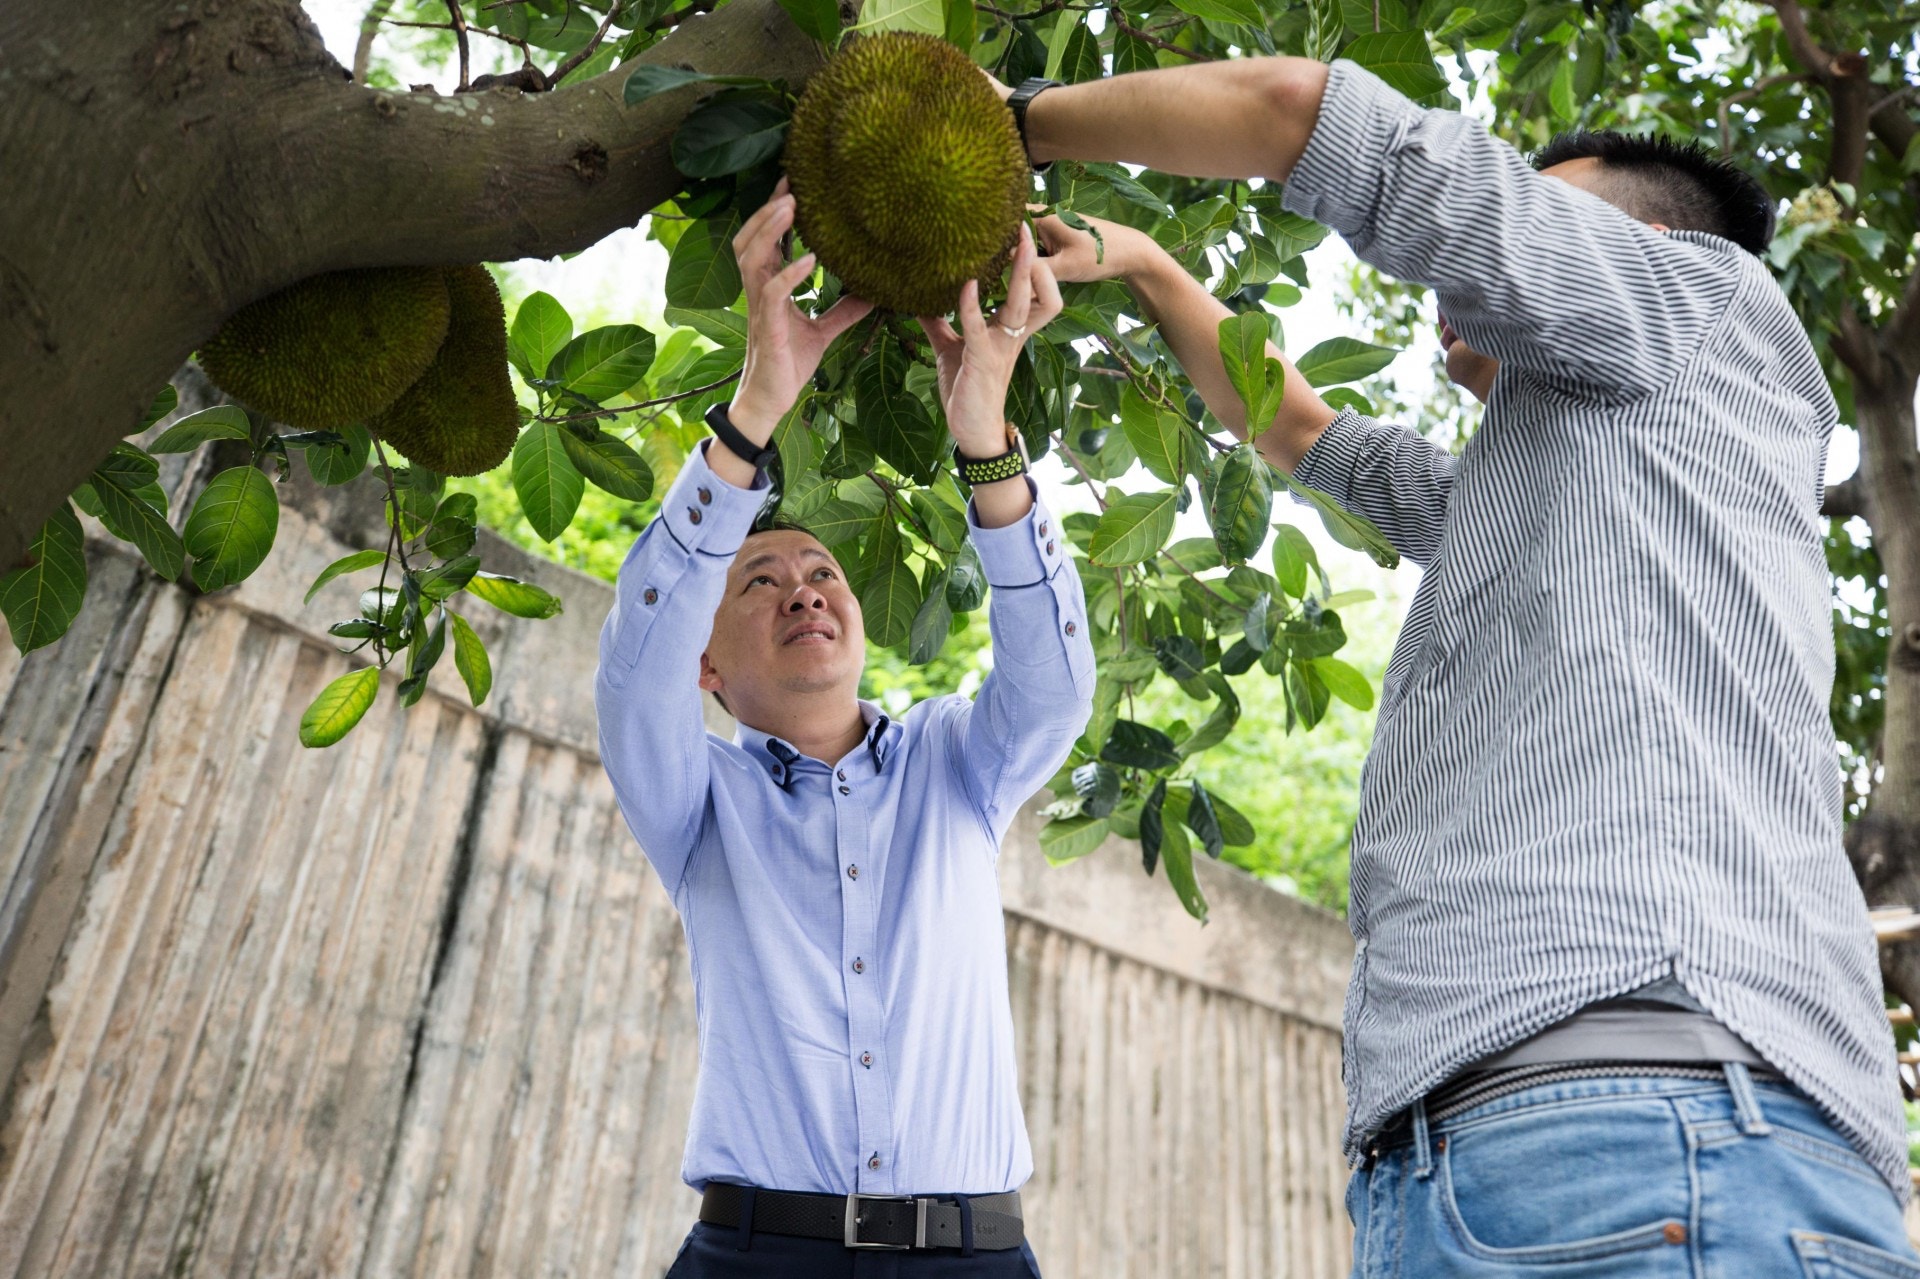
(1029, 89)
(758, 456)
(986, 470)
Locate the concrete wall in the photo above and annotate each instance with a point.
(415, 1005)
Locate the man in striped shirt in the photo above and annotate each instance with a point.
(1615, 1007)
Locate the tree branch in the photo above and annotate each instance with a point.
(1853, 343)
(369, 28)
(460, 36)
(1845, 500)
(586, 51)
(1793, 24)
(1759, 87)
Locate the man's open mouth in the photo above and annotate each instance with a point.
(810, 635)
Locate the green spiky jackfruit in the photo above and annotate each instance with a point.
(907, 171)
(460, 417)
(334, 349)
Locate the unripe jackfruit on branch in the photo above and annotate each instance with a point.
(907, 172)
(460, 418)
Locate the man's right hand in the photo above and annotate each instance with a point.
(784, 343)
(1076, 257)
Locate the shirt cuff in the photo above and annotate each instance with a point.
(705, 513)
(1329, 465)
(1339, 177)
(1023, 553)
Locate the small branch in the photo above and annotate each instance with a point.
(892, 493)
(369, 28)
(1174, 560)
(1051, 6)
(1759, 87)
(680, 15)
(1853, 343)
(1845, 500)
(460, 35)
(1793, 24)
(643, 404)
(579, 56)
(1119, 19)
(1099, 497)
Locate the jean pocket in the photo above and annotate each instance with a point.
(1824, 1256)
(1623, 1188)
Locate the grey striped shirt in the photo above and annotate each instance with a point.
(1603, 753)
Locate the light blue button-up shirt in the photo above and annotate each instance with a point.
(843, 919)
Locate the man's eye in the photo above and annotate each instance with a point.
(759, 578)
(823, 572)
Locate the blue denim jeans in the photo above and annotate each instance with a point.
(1629, 1176)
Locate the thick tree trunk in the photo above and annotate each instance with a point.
(1884, 843)
(169, 164)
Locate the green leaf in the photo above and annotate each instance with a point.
(439, 583)
(1081, 61)
(728, 135)
(221, 422)
(1065, 838)
(511, 595)
(1179, 656)
(334, 464)
(1350, 530)
(1259, 378)
(421, 659)
(1133, 528)
(231, 527)
(453, 529)
(1098, 787)
(41, 599)
(1158, 435)
(1292, 553)
(893, 419)
(726, 327)
(1343, 360)
(1214, 729)
(1560, 91)
(339, 707)
(122, 489)
(1344, 682)
(1130, 53)
(545, 480)
(1402, 59)
(966, 580)
(890, 595)
(1132, 745)
(1244, 12)
(838, 522)
(345, 564)
(702, 273)
(818, 19)
(164, 403)
(1201, 820)
(1177, 853)
(611, 464)
(928, 633)
(1240, 502)
(540, 328)
(958, 23)
(1306, 693)
(603, 362)
(1153, 826)
(927, 16)
(652, 78)
(470, 659)
(1235, 829)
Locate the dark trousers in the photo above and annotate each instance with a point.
(722, 1252)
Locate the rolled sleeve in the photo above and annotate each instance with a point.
(1391, 475)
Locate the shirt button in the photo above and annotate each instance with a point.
(651, 596)
(874, 1162)
(1049, 548)
(693, 515)
(706, 496)
(842, 774)
(866, 1059)
(853, 872)
(859, 965)
(1071, 628)
(846, 790)
(1043, 528)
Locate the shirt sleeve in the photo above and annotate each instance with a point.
(1528, 269)
(653, 739)
(1392, 475)
(1037, 699)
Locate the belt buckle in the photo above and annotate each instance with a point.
(851, 1235)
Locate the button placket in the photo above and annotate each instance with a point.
(866, 1030)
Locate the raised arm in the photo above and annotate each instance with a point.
(1394, 476)
(1529, 269)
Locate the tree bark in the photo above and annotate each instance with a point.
(180, 161)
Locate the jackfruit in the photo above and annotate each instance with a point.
(460, 418)
(334, 349)
(908, 174)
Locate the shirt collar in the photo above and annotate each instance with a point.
(783, 760)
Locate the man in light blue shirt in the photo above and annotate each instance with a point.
(834, 868)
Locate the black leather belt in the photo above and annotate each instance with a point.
(871, 1221)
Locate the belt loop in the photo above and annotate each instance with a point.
(745, 1231)
(1746, 1102)
(966, 1225)
(1422, 1146)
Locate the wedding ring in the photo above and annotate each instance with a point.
(1013, 333)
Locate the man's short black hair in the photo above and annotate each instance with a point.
(1680, 184)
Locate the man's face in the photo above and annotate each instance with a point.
(787, 624)
(1469, 368)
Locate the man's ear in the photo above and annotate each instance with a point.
(1661, 227)
(709, 678)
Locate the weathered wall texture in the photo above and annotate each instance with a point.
(416, 1006)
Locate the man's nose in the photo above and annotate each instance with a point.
(805, 598)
